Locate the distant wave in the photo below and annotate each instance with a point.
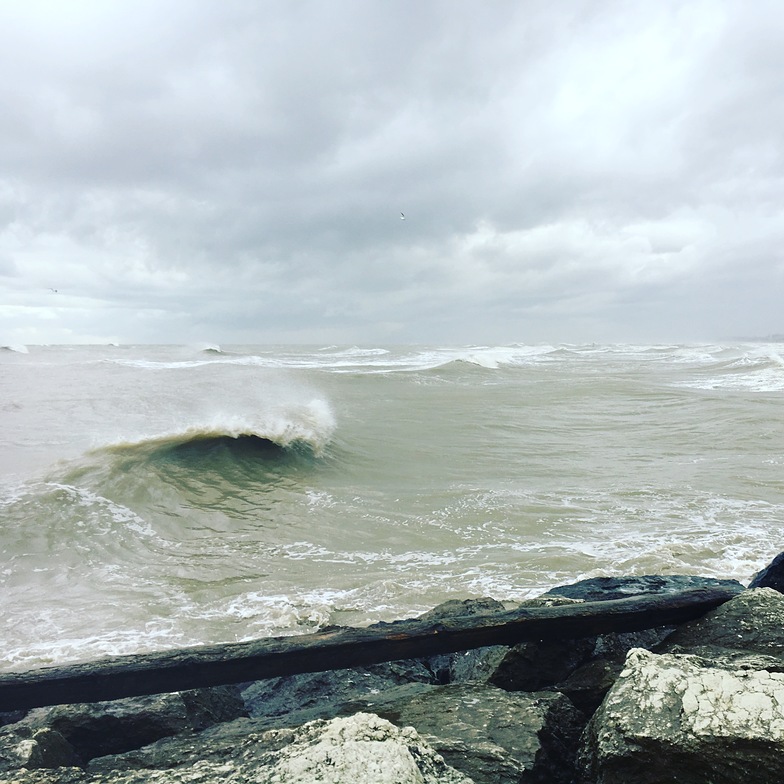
(16, 348)
(400, 359)
(757, 368)
(309, 425)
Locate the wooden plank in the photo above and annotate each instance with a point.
(339, 648)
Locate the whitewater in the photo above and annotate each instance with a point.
(161, 496)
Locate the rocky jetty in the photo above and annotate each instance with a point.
(701, 701)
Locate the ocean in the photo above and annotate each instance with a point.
(161, 496)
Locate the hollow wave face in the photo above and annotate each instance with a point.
(224, 468)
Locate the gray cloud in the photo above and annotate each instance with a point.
(235, 171)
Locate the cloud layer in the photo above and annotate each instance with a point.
(235, 172)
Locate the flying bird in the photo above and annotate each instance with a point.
(402, 216)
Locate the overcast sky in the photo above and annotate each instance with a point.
(234, 171)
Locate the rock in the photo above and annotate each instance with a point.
(588, 685)
(772, 576)
(532, 666)
(360, 749)
(680, 718)
(489, 734)
(297, 699)
(43, 748)
(96, 729)
(600, 589)
(752, 622)
(463, 608)
(462, 666)
(584, 668)
(301, 698)
(11, 717)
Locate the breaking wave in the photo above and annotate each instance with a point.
(308, 425)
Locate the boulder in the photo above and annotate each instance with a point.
(752, 622)
(678, 717)
(600, 589)
(488, 734)
(297, 699)
(25, 747)
(531, 666)
(91, 730)
(360, 749)
(323, 695)
(463, 666)
(772, 576)
(588, 685)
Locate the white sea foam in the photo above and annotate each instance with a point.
(760, 369)
(311, 423)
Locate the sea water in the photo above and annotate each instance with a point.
(161, 496)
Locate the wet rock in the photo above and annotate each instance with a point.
(360, 749)
(588, 685)
(532, 666)
(752, 622)
(600, 589)
(489, 734)
(301, 698)
(24, 747)
(772, 576)
(96, 729)
(298, 699)
(682, 718)
(463, 666)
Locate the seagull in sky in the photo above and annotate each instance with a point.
(402, 216)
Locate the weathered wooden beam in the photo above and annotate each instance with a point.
(338, 648)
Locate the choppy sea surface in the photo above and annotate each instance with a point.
(162, 496)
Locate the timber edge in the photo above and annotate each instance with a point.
(338, 648)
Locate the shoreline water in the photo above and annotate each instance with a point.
(411, 475)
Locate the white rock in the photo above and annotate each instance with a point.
(361, 749)
(678, 716)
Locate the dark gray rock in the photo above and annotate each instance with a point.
(532, 666)
(772, 576)
(600, 589)
(588, 685)
(96, 729)
(323, 695)
(488, 734)
(463, 666)
(752, 622)
(297, 699)
(47, 748)
(26, 747)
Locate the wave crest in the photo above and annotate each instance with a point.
(310, 425)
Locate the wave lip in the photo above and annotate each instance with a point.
(310, 425)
